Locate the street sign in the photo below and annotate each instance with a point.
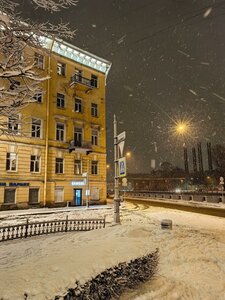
(121, 137)
(122, 172)
(124, 181)
(121, 147)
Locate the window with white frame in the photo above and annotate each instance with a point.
(39, 60)
(78, 75)
(59, 165)
(61, 68)
(94, 80)
(59, 194)
(11, 161)
(33, 195)
(35, 163)
(38, 97)
(78, 105)
(9, 196)
(13, 124)
(60, 132)
(78, 136)
(94, 110)
(77, 167)
(94, 167)
(60, 100)
(36, 128)
(94, 137)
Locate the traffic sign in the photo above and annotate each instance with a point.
(121, 137)
(121, 147)
(122, 167)
(221, 180)
(124, 181)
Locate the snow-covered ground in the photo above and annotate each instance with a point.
(192, 255)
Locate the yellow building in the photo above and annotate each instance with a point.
(57, 151)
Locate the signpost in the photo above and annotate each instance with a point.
(120, 168)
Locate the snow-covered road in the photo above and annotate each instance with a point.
(192, 255)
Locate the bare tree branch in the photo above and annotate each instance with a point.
(54, 5)
(20, 77)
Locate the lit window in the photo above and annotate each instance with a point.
(59, 165)
(38, 97)
(94, 110)
(35, 163)
(78, 105)
(94, 167)
(60, 100)
(36, 128)
(11, 161)
(94, 137)
(94, 80)
(61, 69)
(60, 130)
(39, 60)
(77, 167)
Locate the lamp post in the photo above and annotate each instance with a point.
(88, 190)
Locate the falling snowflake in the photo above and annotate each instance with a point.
(208, 12)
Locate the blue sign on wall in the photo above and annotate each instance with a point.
(122, 167)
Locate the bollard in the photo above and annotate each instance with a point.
(166, 224)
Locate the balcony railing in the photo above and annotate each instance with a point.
(78, 79)
(80, 145)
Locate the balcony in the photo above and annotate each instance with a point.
(84, 83)
(80, 146)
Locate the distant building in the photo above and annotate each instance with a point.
(148, 182)
(56, 152)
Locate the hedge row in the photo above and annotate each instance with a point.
(111, 283)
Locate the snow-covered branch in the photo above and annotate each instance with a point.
(54, 5)
(22, 53)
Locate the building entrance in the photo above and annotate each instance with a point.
(77, 197)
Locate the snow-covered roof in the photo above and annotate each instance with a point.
(76, 54)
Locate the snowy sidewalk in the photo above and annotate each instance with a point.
(192, 256)
(44, 211)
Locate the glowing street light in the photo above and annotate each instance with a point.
(182, 128)
(128, 154)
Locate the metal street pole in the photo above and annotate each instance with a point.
(222, 194)
(116, 177)
(87, 191)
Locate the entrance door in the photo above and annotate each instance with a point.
(77, 197)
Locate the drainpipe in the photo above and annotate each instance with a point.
(47, 125)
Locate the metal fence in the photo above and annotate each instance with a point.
(39, 228)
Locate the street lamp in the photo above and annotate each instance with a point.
(182, 128)
(128, 154)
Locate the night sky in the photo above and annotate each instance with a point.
(168, 63)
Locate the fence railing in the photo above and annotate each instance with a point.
(29, 229)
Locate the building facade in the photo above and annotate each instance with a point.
(56, 152)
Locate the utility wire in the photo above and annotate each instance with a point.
(199, 13)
